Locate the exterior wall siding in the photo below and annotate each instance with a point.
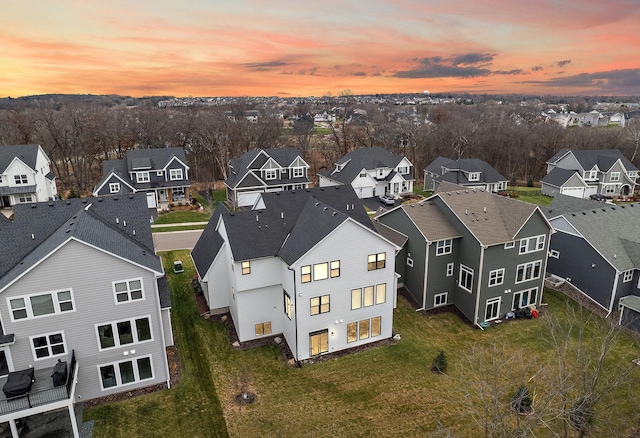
(94, 303)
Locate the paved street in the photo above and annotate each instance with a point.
(176, 240)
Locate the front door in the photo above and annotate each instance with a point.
(492, 310)
(6, 202)
(5, 361)
(162, 195)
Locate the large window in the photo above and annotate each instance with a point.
(21, 179)
(532, 244)
(120, 333)
(125, 372)
(320, 305)
(298, 172)
(444, 247)
(48, 345)
(356, 299)
(381, 293)
(364, 329)
(376, 261)
(114, 187)
(288, 305)
(270, 174)
(24, 197)
(368, 296)
(175, 174)
(615, 176)
(525, 298)
(142, 177)
(528, 271)
(496, 277)
(492, 311)
(128, 290)
(34, 306)
(465, 280)
(263, 328)
(320, 271)
(318, 342)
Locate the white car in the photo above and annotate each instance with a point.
(387, 200)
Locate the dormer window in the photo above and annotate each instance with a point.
(474, 176)
(380, 173)
(403, 170)
(298, 172)
(591, 175)
(363, 174)
(175, 174)
(271, 173)
(142, 177)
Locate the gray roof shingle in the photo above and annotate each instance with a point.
(364, 158)
(240, 166)
(457, 168)
(27, 153)
(558, 177)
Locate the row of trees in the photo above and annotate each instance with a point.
(78, 136)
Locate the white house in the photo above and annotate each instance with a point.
(371, 172)
(25, 175)
(309, 266)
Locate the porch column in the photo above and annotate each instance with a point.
(14, 429)
(74, 424)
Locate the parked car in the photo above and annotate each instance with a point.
(387, 200)
(598, 197)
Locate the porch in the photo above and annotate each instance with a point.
(42, 397)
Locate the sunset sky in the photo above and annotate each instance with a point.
(313, 48)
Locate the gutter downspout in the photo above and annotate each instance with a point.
(295, 316)
(613, 294)
(479, 278)
(426, 272)
(164, 342)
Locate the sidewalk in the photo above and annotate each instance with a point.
(183, 224)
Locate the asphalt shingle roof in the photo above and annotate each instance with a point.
(240, 166)
(364, 158)
(457, 168)
(558, 177)
(563, 204)
(603, 158)
(27, 153)
(430, 221)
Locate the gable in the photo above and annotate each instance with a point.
(299, 162)
(271, 164)
(562, 224)
(570, 162)
(176, 163)
(18, 167)
(250, 180)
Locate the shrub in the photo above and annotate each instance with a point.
(530, 183)
(521, 400)
(439, 364)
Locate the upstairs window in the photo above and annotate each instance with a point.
(142, 177)
(403, 170)
(615, 176)
(175, 174)
(298, 172)
(474, 176)
(305, 274)
(335, 268)
(444, 247)
(129, 290)
(376, 261)
(21, 179)
(126, 332)
(270, 174)
(532, 244)
(320, 305)
(591, 175)
(48, 345)
(34, 306)
(114, 187)
(246, 268)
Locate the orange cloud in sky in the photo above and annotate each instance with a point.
(206, 48)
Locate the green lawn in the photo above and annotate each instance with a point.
(178, 217)
(386, 391)
(534, 198)
(185, 228)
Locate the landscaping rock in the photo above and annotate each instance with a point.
(277, 340)
(236, 344)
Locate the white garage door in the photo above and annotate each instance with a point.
(577, 192)
(151, 200)
(591, 190)
(247, 199)
(364, 192)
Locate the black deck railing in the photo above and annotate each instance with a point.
(43, 395)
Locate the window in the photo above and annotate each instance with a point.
(159, 172)
(320, 271)
(114, 187)
(320, 305)
(305, 274)
(129, 290)
(496, 277)
(492, 311)
(474, 176)
(21, 179)
(381, 293)
(318, 342)
(288, 306)
(178, 194)
(531, 244)
(403, 170)
(443, 247)
(615, 176)
(554, 254)
(363, 174)
(48, 345)
(175, 174)
(125, 372)
(125, 332)
(246, 268)
(298, 172)
(627, 276)
(270, 173)
(142, 177)
(335, 268)
(449, 269)
(34, 306)
(410, 262)
(524, 298)
(22, 198)
(376, 261)
(263, 328)
(509, 245)
(591, 175)
(368, 296)
(465, 280)
(364, 329)
(440, 299)
(356, 299)
(609, 189)
(528, 271)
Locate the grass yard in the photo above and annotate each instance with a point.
(387, 391)
(534, 198)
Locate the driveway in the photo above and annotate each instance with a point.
(174, 240)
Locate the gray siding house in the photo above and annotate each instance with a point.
(606, 172)
(307, 264)
(467, 172)
(265, 170)
(25, 175)
(596, 248)
(484, 253)
(162, 174)
(81, 284)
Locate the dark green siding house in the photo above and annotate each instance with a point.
(484, 253)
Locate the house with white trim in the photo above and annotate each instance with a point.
(371, 172)
(467, 172)
(306, 265)
(25, 175)
(606, 172)
(483, 253)
(265, 170)
(161, 173)
(82, 291)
